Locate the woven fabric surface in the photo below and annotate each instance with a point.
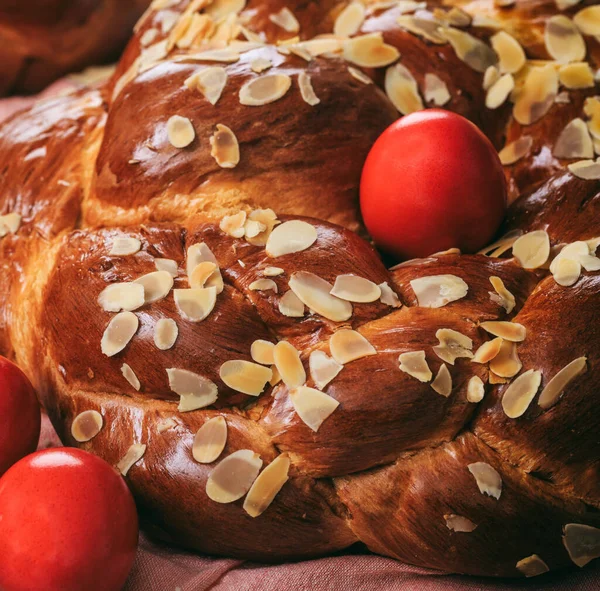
(161, 568)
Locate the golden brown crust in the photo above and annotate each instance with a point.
(43, 40)
(136, 162)
(391, 460)
(558, 444)
(399, 511)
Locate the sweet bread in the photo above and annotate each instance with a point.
(43, 40)
(184, 280)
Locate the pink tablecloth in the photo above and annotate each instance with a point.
(160, 568)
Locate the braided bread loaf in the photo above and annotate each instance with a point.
(267, 386)
(42, 40)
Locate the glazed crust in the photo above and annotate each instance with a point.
(389, 466)
(43, 40)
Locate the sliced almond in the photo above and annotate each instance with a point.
(414, 364)
(290, 305)
(574, 251)
(537, 94)
(475, 390)
(165, 333)
(148, 37)
(312, 406)
(149, 57)
(289, 237)
(402, 90)
(563, 41)
(532, 249)
(566, 272)
(506, 364)
(556, 386)
(180, 131)
(494, 379)
(306, 89)
(233, 225)
(315, 293)
(252, 228)
(288, 364)
(490, 77)
(388, 296)
(157, 285)
(359, 75)
(267, 219)
(348, 345)
(195, 390)
(577, 75)
(350, 20)
(566, 4)
(265, 488)
(487, 478)
(121, 296)
(574, 141)
(195, 304)
(210, 440)
(286, 20)
(369, 51)
(426, 28)
(587, 20)
(582, 543)
(585, 169)
(221, 9)
(474, 52)
(498, 248)
(514, 151)
(436, 91)
(124, 245)
(442, 383)
(196, 254)
(86, 425)
(265, 89)
(263, 285)
(225, 148)
(168, 265)
(355, 289)
(260, 64)
(509, 331)
(323, 368)
(210, 82)
(532, 566)
(201, 274)
(133, 455)
(276, 377)
(590, 263)
(233, 476)
(502, 297)
(273, 271)
(488, 351)
(262, 352)
(452, 345)
(436, 291)
(510, 53)
(458, 17)
(130, 376)
(9, 223)
(118, 333)
(458, 523)
(499, 91)
(245, 376)
(520, 393)
(225, 55)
